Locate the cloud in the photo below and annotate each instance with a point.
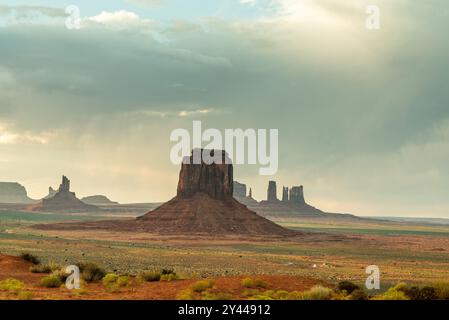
(248, 2)
(121, 19)
(358, 112)
(8, 137)
(181, 113)
(146, 3)
(25, 11)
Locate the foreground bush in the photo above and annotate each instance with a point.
(202, 285)
(169, 277)
(150, 276)
(358, 294)
(24, 295)
(394, 293)
(442, 290)
(317, 293)
(203, 290)
(51, 281)
(30, 258)
(347, 286)
(40, 268)
(113, 282)
(90, 272)
(11, 285)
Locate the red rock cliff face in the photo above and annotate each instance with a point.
(216, 180)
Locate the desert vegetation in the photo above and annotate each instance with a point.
(50, 277)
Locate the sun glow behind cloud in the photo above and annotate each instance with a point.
(350, 104)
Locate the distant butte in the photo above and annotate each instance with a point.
(62, 200)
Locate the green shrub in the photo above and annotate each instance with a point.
(30, 258)
(90, 272)
(280, 295)
(186, 294)
(317, 293)
(113, 282)
(51, 281)
(248, 283)
(150, 276)
(347, 286)
(417, 293)
(109, 278)
(442, 290)
(358, 294)
(40, 268)
(169, 277)
(61, 274)
(24, 295)
(207, 295)
(424, 293)
(11, 285)
(122, 281)
(259, 283)
(394, 293)
(202, 285)
(295, 295)
(250, 292)
(167, 271)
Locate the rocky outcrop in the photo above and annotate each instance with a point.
(63, 200)
(239, 190)
(13, 192)
(293, 203)
(284, 194)
(65, 185)
(272, 192)
(98, 200)
(51, 193)
(297, 195)
(216, 180)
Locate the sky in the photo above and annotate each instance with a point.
(363, 115)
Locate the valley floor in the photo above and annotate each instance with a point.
(330, 252)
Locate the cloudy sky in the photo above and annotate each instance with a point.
(363, 115)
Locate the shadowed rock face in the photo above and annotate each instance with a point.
(216, 180)
(297, 195)
(272, 192)
(285, 194)
(239, 190)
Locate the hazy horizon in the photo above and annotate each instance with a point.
(363, 116)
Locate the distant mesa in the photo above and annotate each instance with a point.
(98, 200)
(240, 195)
(291, 203)
(62, 200)
(204, 205)
(14, 193)
(239, 190)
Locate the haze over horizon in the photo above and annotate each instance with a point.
(363, 116)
